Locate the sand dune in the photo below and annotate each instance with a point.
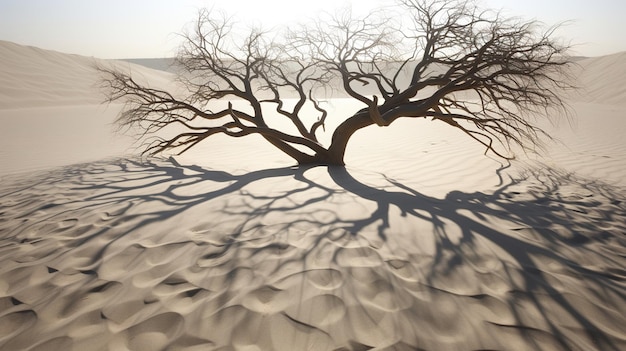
(420, 243)
(602, 79)
(51, 109)
(33, 77)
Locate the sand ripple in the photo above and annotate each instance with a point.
(110, 256)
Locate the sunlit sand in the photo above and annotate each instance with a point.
(421, 242)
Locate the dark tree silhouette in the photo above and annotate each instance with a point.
(446, 60)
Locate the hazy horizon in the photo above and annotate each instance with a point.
(147, 29)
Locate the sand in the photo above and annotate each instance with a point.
(421, 242)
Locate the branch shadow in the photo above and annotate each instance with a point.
(536, 264)
(554, 233)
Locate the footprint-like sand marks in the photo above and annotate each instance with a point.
(15, 317)
(387, 295)
(325, 279)
(114, 211)
(402, 268)
(120, 313)
(91, 297)
(178, 294)
(188, 301)
(266, 299)
(156, 332)
(215, 255)
(358, 257)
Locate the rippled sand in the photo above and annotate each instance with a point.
(420, 243)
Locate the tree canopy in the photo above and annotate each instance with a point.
(445, 60)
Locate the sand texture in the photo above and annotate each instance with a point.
(421, 243)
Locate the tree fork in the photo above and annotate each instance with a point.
(511, 68)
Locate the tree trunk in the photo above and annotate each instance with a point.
(334, 156)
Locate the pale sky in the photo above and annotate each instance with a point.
(146, 28)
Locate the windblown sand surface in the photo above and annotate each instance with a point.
(421, 243)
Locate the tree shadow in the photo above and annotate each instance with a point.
(536, 264)
(555, 232)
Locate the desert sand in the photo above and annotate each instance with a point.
(420, 243)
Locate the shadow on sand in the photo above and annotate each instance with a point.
(536, 264)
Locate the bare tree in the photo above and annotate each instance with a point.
(445, 60)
